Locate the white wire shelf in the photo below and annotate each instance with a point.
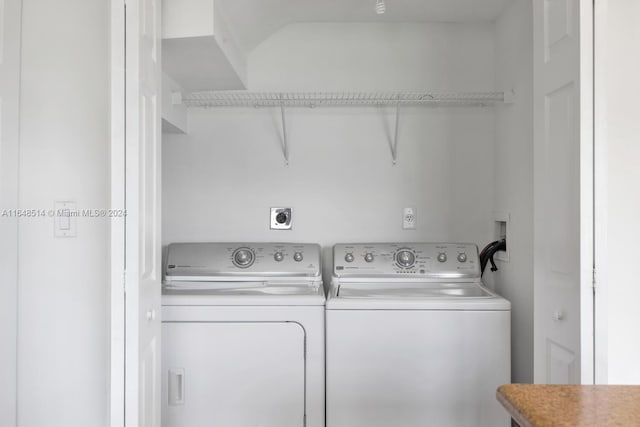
(319, 99)
(283, 100)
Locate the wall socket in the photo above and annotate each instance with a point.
(409, 218)
(281, 218)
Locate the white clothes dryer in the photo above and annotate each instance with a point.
(414, 339)
(243, 335)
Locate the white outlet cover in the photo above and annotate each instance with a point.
(409, 218)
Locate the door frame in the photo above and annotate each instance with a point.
(593, 330)
(600, 323)
(117, 201)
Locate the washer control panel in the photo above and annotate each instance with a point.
(420, 260)
(211, 261)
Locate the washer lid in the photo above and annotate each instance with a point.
(414, 296)
(413, 290)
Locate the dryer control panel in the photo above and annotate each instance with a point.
(419, 260)
(221, 261)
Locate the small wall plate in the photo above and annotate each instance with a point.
(281, 218)
(502, 230)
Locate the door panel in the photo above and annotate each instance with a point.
(10, 18)
(563, 192)
(233, 374)
(142, 201)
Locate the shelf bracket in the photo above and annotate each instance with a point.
(285, 146)
(394, 147)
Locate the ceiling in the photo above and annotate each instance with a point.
(252, 21)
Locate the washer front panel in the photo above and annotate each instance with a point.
(407, 260)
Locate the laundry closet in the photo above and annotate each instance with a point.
(348, 116)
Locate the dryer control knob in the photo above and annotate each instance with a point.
(462, 257)
(298, 256)
(442, 257)
(368, 257)
(278, 256)
(243, 257)
(348, 257)
(405, 258)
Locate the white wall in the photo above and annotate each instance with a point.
(617, 197)
(374, 57)
(514, 178)
(63, 296)
(220, 180)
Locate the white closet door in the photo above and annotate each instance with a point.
(563, 192)
(10, 18)
(233, 374)
(143, 243)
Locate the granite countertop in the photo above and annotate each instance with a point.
(540, 405)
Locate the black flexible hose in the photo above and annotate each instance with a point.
(486, 255)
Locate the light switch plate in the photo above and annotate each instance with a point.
(65, 220)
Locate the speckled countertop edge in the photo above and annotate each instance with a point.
(541, 405)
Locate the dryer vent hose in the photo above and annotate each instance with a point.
(486, 255)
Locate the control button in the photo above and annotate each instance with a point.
(405, 258)
(243, 257)
(278, 256)
(348, 257)
(298, 256)
(442, 257)
(462, 257)
(368, 257)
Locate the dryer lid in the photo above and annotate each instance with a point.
(241, 288)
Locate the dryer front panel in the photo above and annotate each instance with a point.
(241, 374)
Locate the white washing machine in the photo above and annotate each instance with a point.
(243, 335)
(413, 338)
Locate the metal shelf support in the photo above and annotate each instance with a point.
(285, 146)
(394, 148)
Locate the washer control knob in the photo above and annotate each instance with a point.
(462, 257)
(278, 256)
(405, 258)
(243, 257)
(368, 257)
(348, 257)
(442, 257)
(298, 256)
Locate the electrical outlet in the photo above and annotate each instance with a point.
(281, 218)
(409, 218)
